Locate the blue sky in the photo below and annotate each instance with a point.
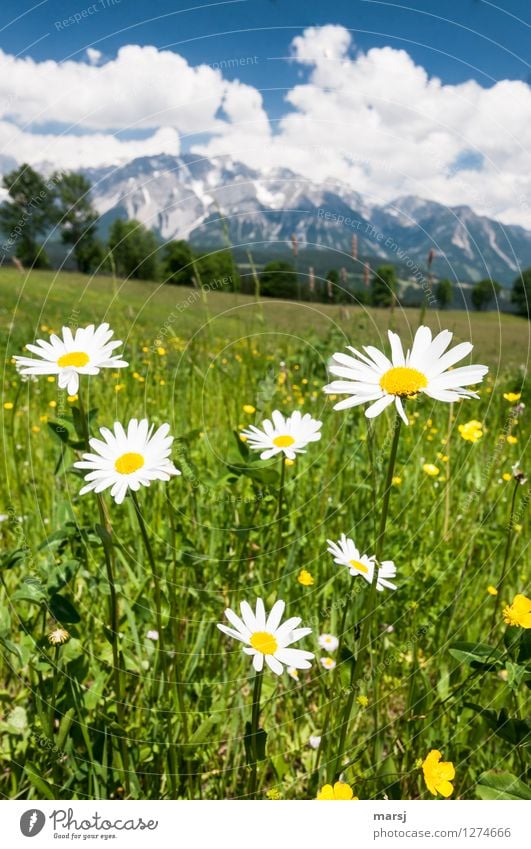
(426, 98)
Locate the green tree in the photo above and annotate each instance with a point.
(177, 263)
(384, 286)
(27, 214)
(444, 293)
(134, 250)
(483, 293)
(216, 270)
(77, 220)
(278, 280)
(521, 293)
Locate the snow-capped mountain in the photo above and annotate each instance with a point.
(210, 201)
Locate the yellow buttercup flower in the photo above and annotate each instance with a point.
(438, 774)
(512, 397)
(288, 462)
(397, 480)
(519, 612)
(248, 408)
(512, 440)
(430, 470)
(492, 590)
(340, 792)
(507, 476)
(8, 405)
(305, 578)
(363, 701)
(471, 431)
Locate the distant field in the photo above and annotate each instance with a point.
(50, 298)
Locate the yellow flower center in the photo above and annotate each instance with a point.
(264, 642)
(129, 463)
(403, 381)
(359, 566)
(283, 441)
(74, 358)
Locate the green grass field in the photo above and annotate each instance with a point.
(114, 716)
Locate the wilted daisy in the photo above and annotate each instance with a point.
(328, 642)
(128, 459)
(58, 636)
(289, 435)
(373, 377)
(438, 774)
(266, 638)
(85, 352)
(345, 553)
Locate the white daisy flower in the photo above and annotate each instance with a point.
(327, 662)
(328, 642)
(293, 673)
(345, 553)
(86, 352)
(289, 435)
(266, 638)
(374, 377)
(128, 460)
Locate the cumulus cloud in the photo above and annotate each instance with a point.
(375, 120)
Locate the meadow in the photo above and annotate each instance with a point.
(139, 694)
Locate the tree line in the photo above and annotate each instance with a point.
(36, 206)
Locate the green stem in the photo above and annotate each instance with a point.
(508, 544)
(255, 718)
(365, 638)
(155, 574)
(280, 509)
(108, 550)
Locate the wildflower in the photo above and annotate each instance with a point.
(86, 352)
(72, 398)
(363, 701)
(438, 774)
(327, 662)
(8, 405)
(519, 612)
(152, 635)
(512, 440)
(293, 673)
(518, 474)
(517, 527)
(471, 431)
(266, 639)
(340, 792)
(314, 741)
(273, 794)
(248, 408)
(345, 553)
(375, 378)
(288, 462)
(128, 460)
(58, 636)
(507, 476)
(289, 435)
(305, 578)
(396, 480)
(161, 352)
(328, 642)
(35, 429)
(430, 470)
(492, 590)
(512, 397)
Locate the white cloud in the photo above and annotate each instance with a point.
(375, 120)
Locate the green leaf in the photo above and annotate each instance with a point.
(501, 785)
(261, 740)
(201, 733)
(60, 431)
(525, 646)
(243, 448)
(11, 559)
(30, 590)
(514, 731)
(44, 789)
(477, 655)
(63, 610)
